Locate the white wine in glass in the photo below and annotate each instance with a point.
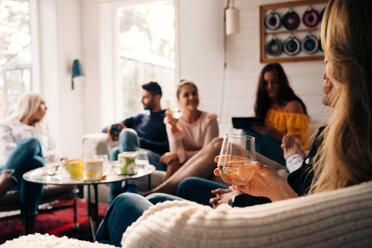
(237, 158)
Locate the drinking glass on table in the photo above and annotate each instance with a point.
(142, 159)
(237, 158)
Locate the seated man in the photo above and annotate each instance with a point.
(145, 131)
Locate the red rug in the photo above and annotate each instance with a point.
(58, 223)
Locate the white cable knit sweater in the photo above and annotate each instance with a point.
(339, 218)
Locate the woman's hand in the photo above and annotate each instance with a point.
(169, 118)
(222, 196)
(265, 182)
(168, 157)
(291, 145)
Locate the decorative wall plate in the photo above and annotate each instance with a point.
(274, 47)
(273, 20)
(310, 44)
(292, 46)
(310, 18)
(291, 20)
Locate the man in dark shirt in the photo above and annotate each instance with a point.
(145, 131)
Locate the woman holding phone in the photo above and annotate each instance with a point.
(283, 111)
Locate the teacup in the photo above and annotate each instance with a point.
(127, 163)
(75, 168)
(94, 169)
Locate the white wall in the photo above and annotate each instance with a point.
(200, 52)
(59, 29)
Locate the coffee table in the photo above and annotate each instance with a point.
(54, 174)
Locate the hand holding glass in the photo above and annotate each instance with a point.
(237, 158)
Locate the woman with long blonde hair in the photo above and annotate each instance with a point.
(25, 145)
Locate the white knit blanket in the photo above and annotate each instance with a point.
(50, 241)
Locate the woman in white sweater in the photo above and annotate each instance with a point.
(25, 145)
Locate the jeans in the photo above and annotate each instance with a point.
(129, 141)
(267, 146)
(197, 189)
(25, 157)
(123, 211)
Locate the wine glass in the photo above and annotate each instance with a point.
(237, 159)
(175, 110)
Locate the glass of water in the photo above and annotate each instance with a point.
(142, 159)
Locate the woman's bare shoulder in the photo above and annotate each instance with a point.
(294, 107)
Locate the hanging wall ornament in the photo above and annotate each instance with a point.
(310, 44)
(310, 17)
(272, 20)
(292, 46)
(291, 20)
(274, 47)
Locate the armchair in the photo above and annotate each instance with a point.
(10, 202)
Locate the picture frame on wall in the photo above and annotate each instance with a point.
(290, 31)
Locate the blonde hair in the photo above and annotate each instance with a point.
(182, 83)
(27, 105)
(345, 157)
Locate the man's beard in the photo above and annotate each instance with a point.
(149, 106)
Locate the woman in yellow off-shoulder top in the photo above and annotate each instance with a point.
(283, 112)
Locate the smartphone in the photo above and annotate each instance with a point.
(116, 128)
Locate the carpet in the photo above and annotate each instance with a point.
(59, 223)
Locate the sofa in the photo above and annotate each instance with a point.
(338, 218)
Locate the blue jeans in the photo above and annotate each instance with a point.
(123, 211)
(129, 142)
(267, 146)
(25, 157)
(198, 189)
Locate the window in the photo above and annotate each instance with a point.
(15, 53)
(146, 52)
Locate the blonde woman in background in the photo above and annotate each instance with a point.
(189, 133)
(25, 145)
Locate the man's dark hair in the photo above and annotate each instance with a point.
(152, 87)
